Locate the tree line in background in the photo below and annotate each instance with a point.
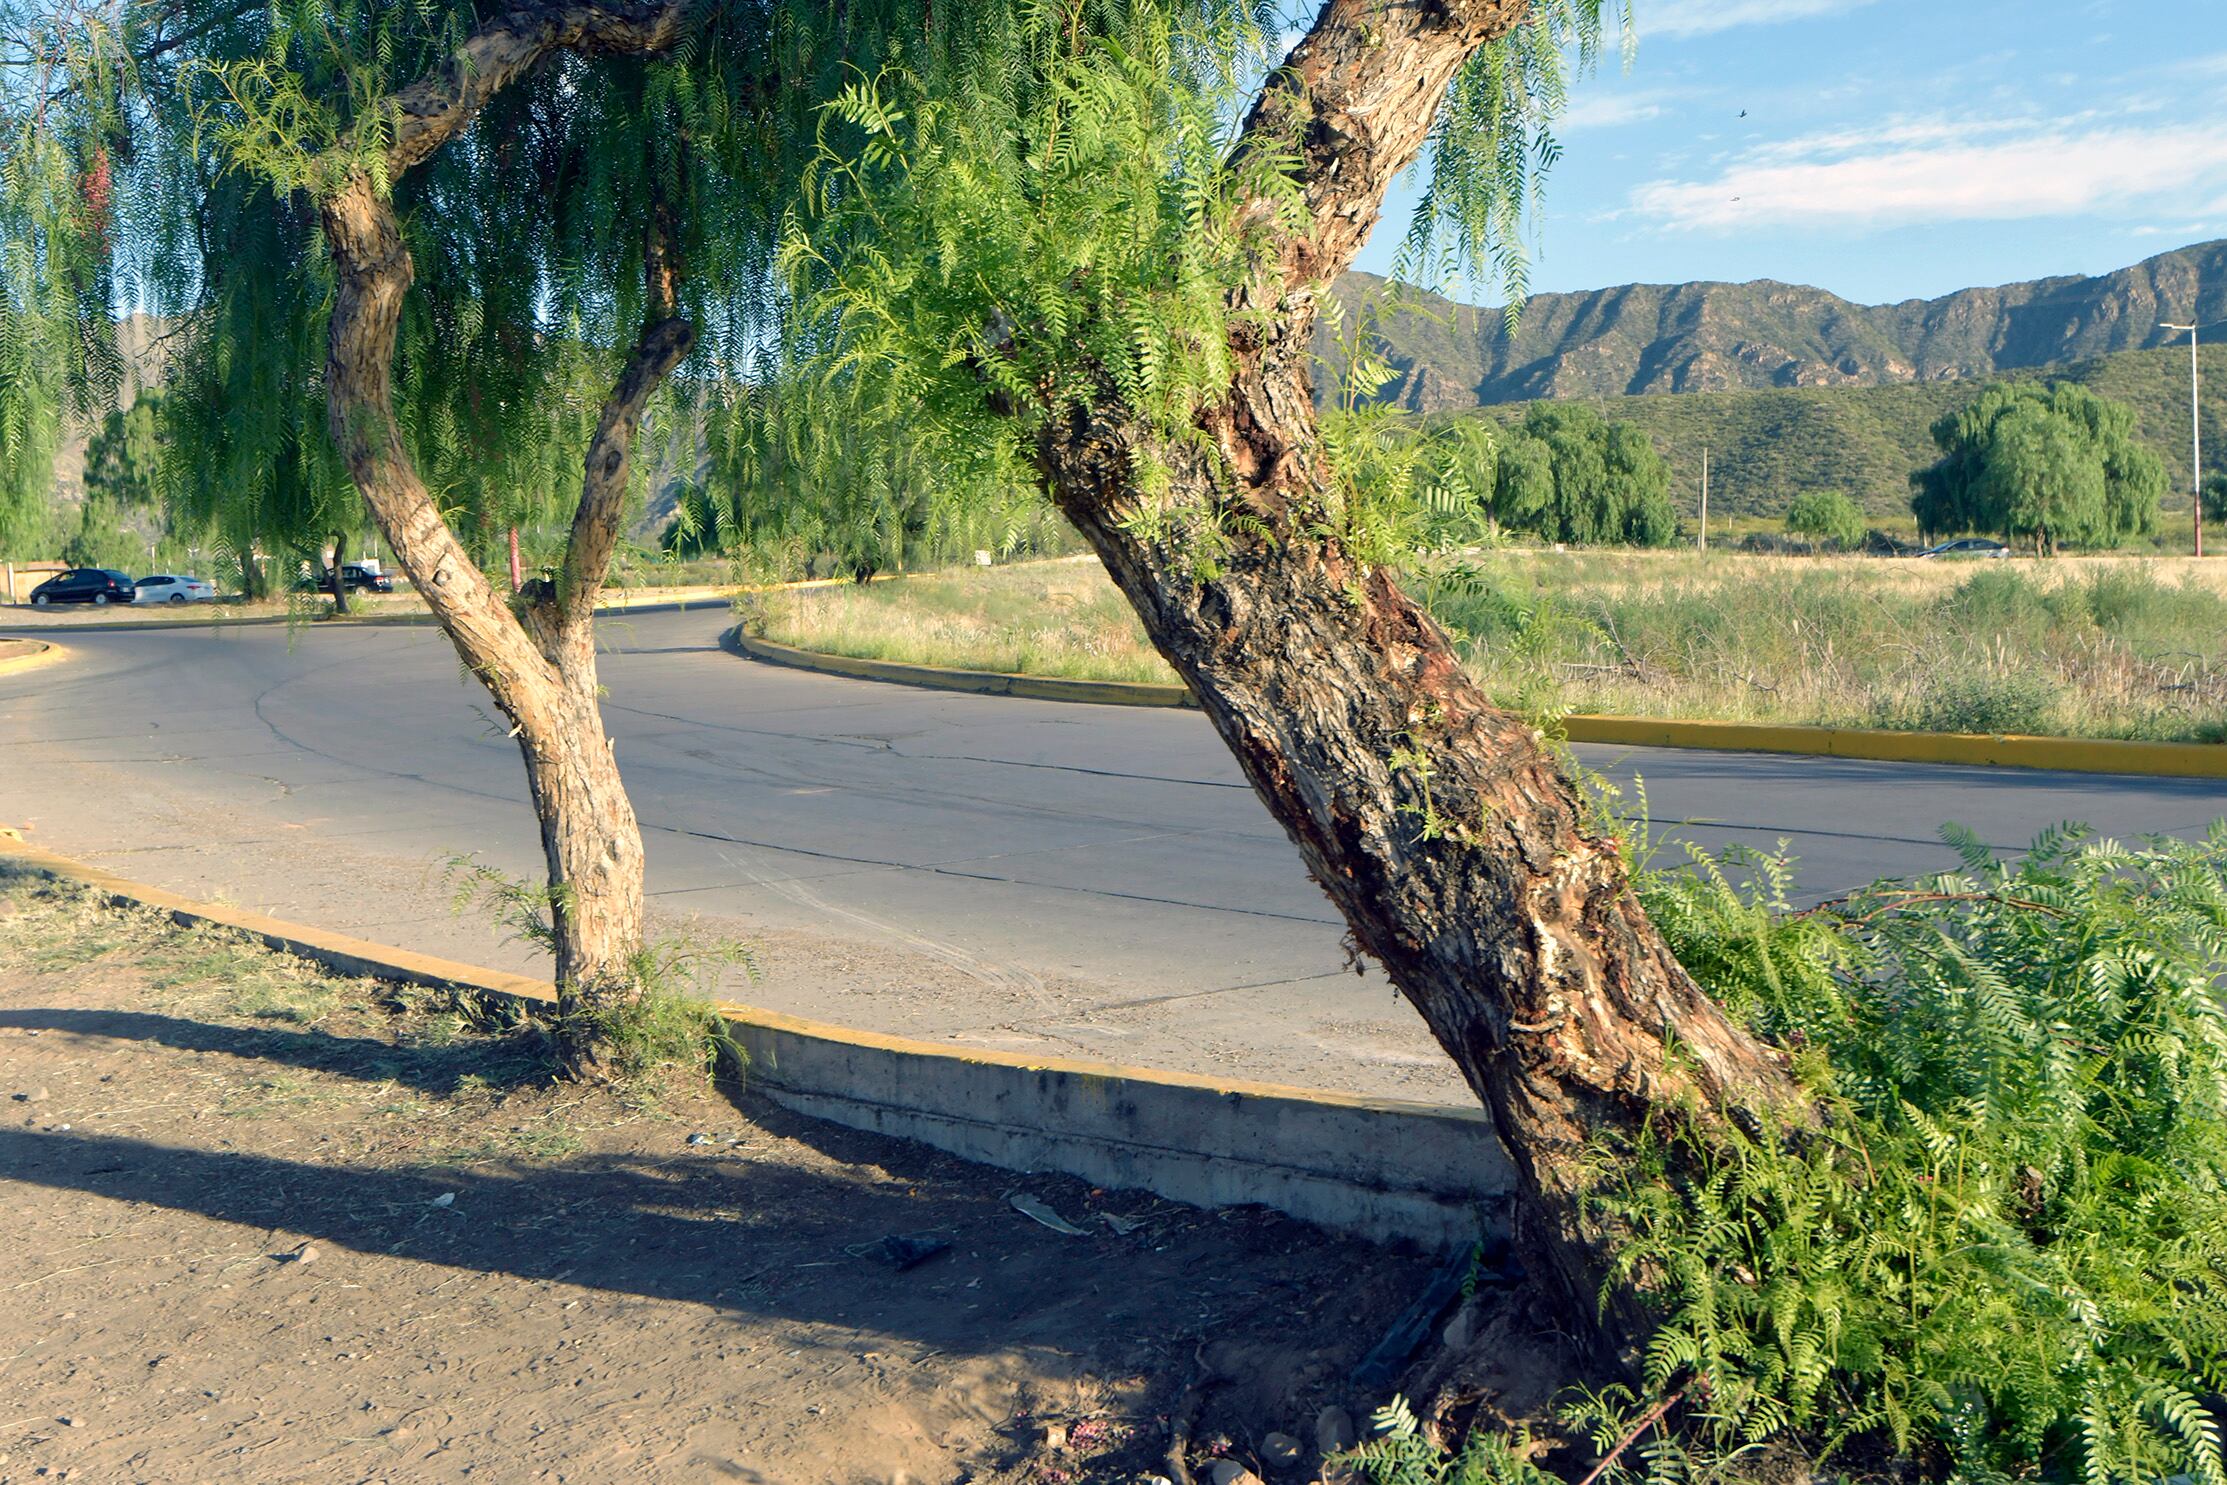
(800, 492)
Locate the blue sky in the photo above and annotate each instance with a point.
(1891, 149)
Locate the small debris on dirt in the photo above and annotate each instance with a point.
(71, 1422)
(36, 1095)
(1051, 1437)
(1334, 1431)
(903, 1250)
(306, 1253)
(1029, 1207)
(1230, 1472)
(1279, 1451)
(445, 1199)
(1121, 1225)
(699, 1138)
(1407, 1333)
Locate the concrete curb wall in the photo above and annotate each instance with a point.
(2064, 754)
(32, 654)
(1381, 1168)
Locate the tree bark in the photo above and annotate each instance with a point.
(538, 663)
(1439, 825)
(336, 575)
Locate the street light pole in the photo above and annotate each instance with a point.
(2195, 434)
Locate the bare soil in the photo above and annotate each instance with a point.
(269, 1225)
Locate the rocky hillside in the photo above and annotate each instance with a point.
(1640, 339)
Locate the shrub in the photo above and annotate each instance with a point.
(2001, 702)
(1827, 517)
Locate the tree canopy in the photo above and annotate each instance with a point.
(2057, 466)
(1570, 475)
(1826, 516)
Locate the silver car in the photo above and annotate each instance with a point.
(172, 587)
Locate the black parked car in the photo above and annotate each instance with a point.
(355, 579)
(84, 585)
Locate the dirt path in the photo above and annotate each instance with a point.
(267, 1225)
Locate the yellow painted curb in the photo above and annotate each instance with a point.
(386, 962)
(2063, 754)
(947, 678)
(42, 653)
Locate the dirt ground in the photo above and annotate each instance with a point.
(269, 1225)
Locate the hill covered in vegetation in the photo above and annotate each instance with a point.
(1767, 447)
(1793, 389)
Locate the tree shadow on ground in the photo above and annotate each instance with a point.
(499, 1063)
(768, 1228)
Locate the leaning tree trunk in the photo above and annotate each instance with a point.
(337, 574)
(537, 663)
(1440, 825)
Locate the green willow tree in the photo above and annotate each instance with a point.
(2052, 466)
(444, 260)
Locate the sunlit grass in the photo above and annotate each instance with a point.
(2103, 647)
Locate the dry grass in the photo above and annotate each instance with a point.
(2098, 646)
(1056, 618)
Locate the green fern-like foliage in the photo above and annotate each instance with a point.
(981, 264)
(61, 79)
(2008, 1242)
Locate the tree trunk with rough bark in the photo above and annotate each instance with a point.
(538, 661)
(1440, 826)
(336, 576)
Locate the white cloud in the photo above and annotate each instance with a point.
(1704, 17)
(1610, 111)
(1940, 172)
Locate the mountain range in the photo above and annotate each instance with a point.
(1640, 339)
(1794, 388)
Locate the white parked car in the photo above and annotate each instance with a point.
(171, 587)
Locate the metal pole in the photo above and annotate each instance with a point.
(2195, 442)
(2195, 435)
(1704, 498)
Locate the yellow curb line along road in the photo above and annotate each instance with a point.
(2063, 754)
(40, 653)
(1383, 1168)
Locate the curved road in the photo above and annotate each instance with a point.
(1088, 881)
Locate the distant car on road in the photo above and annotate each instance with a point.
(96, 585)
(355, 578)
(172, 587)
(1970, 546)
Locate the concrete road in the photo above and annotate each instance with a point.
(1091, 881)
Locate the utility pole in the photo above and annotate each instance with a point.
(2195, 437)
(1704, 499)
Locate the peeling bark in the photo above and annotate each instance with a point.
(1439, 825)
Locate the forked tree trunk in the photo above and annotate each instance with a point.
(1439, 825)
(538, 663)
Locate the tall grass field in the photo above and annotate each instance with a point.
(2120, 647)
